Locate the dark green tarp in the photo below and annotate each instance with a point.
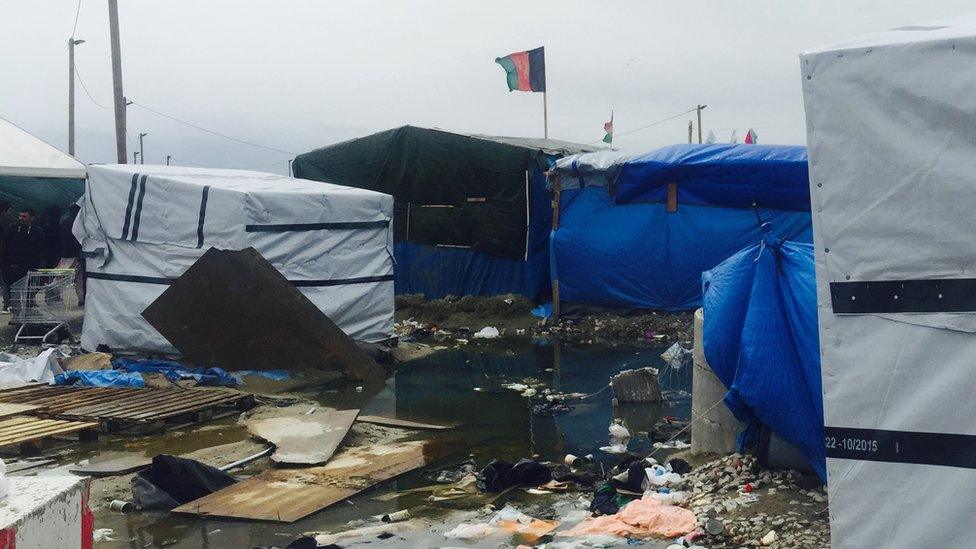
(450, 189)
(39, 192)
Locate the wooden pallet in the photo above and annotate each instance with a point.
(116, 408)
(30, 433)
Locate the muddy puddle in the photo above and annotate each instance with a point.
(454, 386)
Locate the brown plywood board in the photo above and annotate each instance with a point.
(287, 495)
(256, 320)
(403, 423)
(304, 439)
(118, 466)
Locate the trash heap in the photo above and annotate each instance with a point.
(723, 491)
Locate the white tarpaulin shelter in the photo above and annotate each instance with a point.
(142, 226)
(22, 154)
(891, 123)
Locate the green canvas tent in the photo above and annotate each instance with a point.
(472, 213)
(34, 174)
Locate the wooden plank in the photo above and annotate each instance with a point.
(304, 439)
(39, 429)
(10, 409)
(403, 423)
(178, 408)
(287, 495)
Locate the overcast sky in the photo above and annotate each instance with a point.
(298, 74)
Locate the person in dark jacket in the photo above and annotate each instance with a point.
(50, 222)
(23, 250)
(71, 252)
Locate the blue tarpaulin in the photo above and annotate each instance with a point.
(761, 339)
(100, 378)
(618, 244)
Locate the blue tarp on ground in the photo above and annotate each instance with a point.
(761, 339)
(618, 245)
(127, 372)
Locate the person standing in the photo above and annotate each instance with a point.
(6, 221)
(23, 250)
(71, 252)
(50, 222)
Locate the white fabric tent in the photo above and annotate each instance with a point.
(22, 154)
(890, 130)
(141, 226)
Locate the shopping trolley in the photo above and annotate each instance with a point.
(41, 303)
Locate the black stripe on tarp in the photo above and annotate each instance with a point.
(337, 226)
(128, 207)
(341, 281)
(129, 278)
(297, 283)
(136, 217)
(943, 295)
(945, 449)
(203, 215)
(537, 69)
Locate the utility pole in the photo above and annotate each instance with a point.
(167, 159)
(135, 157)
(142, 154)
(113, 27)
(690, 129)
(700, 108)
(71, 93)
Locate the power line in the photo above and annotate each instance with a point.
(644, 127)
(84, 87)
(758, 127)
(212, 132)
(75, 27)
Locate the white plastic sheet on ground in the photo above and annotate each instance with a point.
(16, 371)
(142, 226)
(892, 137)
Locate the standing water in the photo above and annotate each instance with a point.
(461, 387)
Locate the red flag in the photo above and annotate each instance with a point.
(751, 136)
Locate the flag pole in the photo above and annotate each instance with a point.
(545, 116)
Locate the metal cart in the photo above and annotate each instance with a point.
(41, 302)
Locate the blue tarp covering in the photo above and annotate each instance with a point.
(100, 378)
(617, 245)
(761, 339)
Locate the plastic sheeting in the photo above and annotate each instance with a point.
(641, 256)
(760, 338)
(24, 155)
(472, 212)
(774, 176)
(15, 371)
(890, 129)
(141, 227)
(100, 378)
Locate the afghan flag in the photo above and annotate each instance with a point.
(608, 127)
(526, 70)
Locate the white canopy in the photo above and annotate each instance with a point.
(22, 154)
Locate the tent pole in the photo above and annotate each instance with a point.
(556, 191)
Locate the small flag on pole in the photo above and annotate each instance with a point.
(711, 137)
(608, 127)
(526, 70)
(735, 137)
(751, 137)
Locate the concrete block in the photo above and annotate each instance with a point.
(715, 429)
(46, 512)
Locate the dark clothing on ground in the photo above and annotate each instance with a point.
(23, 250)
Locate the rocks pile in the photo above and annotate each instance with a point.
(726, 495)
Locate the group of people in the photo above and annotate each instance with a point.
(32, 242)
